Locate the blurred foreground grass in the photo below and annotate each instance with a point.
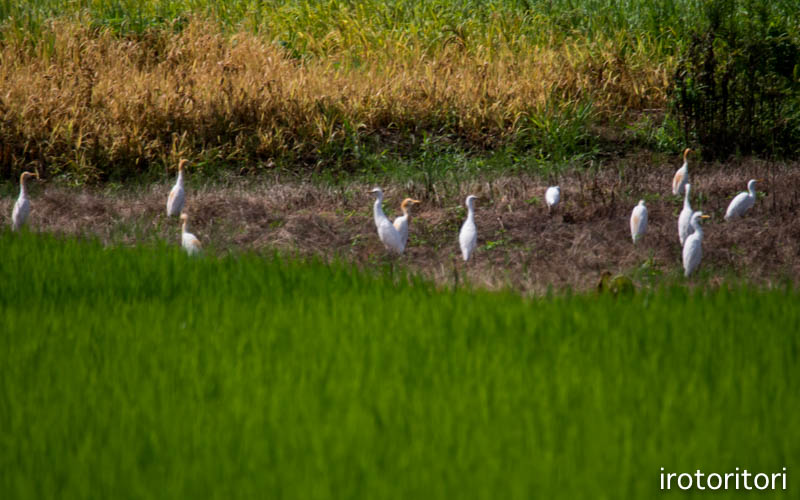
(141, 373)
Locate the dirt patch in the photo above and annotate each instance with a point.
(521, 245)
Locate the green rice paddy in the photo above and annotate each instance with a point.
(142, 373)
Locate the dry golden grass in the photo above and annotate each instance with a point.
(87, 104)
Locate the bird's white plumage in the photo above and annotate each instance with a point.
(177, 194)
(684, 228)
(681, 177)
(22, 207)
(638, 221)
(742, 202)
(387, 233)
(401, 223)
(679, 181)
(189, 242)
(468, 236)
(552, 196)
(19, 215)
(693, 248)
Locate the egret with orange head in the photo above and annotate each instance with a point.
(681, 177)
(401, 223)
(177, 195)
(189, 242)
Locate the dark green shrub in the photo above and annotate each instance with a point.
(737, 85)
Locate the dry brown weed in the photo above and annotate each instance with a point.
(89, 104)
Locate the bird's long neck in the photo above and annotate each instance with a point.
(698, 229)
(180, 178)
(686, 199)
(185, 227)
(470, 211)
(23, 192)
(752, 190)
(377, 209)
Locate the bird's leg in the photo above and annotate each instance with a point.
(466, 269)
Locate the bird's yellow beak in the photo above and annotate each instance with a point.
(705, 216)
(415, 201)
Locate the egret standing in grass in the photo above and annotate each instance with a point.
(468, 236)
(388, 234)
(638, 221)
(401, 223)
(693, 248)
(681, 177)
(742, 202)
(177, 194)
(23, 205)
(684, 228)
(552, 196)
(189, 242)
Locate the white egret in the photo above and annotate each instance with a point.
(693, 248)
(389, 235)
(638, 221)
(684, 228)
(177, 195)
(468, 236)
(401, 223)
(23, 205)
(552, 196)
(189, 242)
(682, 175)
(742, 202)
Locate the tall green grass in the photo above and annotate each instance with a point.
(142, 373)
(371, 24)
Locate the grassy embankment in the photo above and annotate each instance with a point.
(137, 372)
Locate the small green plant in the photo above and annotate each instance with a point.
(559, 132)
(534, 200)
(665, 135)
(648, 272)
